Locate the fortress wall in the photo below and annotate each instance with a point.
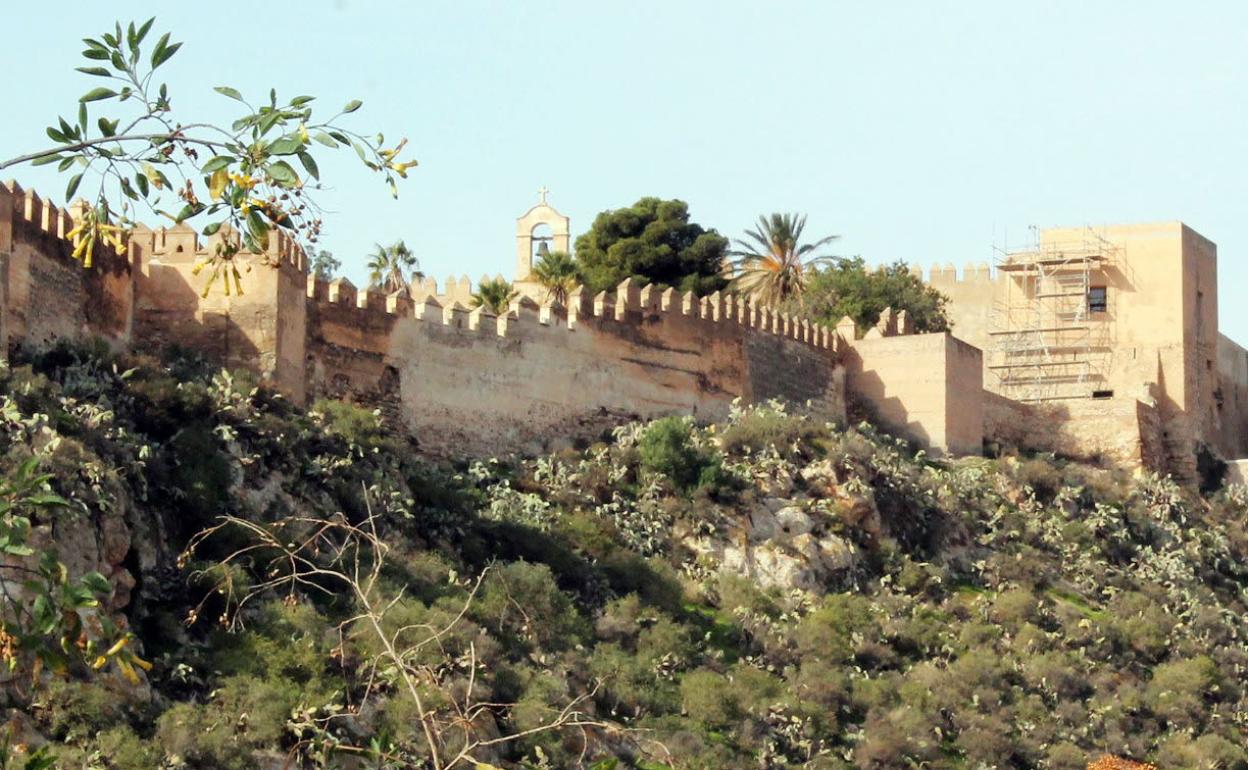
(46, 294)
(971, 298)
(924, 387)
(539, 378)
(261, 329)
(1125, 429)
(1232, 410)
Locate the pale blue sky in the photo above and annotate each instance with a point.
(918, 131)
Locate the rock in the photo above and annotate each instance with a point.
(779, 550)
(793, 521)
(763, 525)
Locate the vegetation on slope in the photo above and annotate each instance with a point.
(1011, 612)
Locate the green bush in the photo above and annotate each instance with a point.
(667, 447)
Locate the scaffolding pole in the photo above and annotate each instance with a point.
(1048, 341)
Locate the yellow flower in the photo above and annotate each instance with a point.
(401, 168)
(244, 181)
(389, 155)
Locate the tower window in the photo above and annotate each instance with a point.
(1102, 394)
(1098, 299)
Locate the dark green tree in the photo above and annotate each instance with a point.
(653, 241)
(846, 287)
(325, 265)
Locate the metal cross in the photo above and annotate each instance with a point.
(543, 191)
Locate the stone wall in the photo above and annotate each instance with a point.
(261, 329)
(923, 387)
(1231, 399)
(1122, 430)
(538, 378)
(45, 294)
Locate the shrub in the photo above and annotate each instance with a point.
(667, 448)
(768, 426)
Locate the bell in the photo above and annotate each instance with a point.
(543, 249)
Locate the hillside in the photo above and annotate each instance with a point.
(768, 592)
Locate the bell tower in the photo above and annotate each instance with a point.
(542, 216)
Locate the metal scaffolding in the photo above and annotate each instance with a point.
(1049, 333)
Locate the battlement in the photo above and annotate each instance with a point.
(180, 244)
(27, 218)
(629, 304)
(947, 276)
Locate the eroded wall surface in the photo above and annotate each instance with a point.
(539, 378)
(45, 294)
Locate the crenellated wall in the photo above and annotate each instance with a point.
(262, 329)
(539, 377)
(45, 295)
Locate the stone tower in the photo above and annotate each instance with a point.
(541, 214)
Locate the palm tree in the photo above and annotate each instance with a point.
(556, 272)
(389, 267)
(494, 295)
(771, 263)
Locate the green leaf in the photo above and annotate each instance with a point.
(94, 581)
(359, 150)
(216, 164)
(95, 94)
(56, 135)
(268, 121)
(287, 145)
(230, 92)
(325, 139)
(309, 165)
(299, 101)
(353, 105)
(211, 228)
(163, 51)
(97, 71)
(107, 127)
(258, 230)
(98, 54)
(188, 211)
(46, 159)
(143, 30)
(143, 185)
(283, 174)
(69, 161)
(72, 187)
(82, 116)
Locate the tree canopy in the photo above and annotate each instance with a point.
(846, 287)
(653, 241)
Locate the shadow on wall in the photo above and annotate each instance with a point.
(172, 321)
(866, 402)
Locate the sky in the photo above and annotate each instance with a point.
(917, 131)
